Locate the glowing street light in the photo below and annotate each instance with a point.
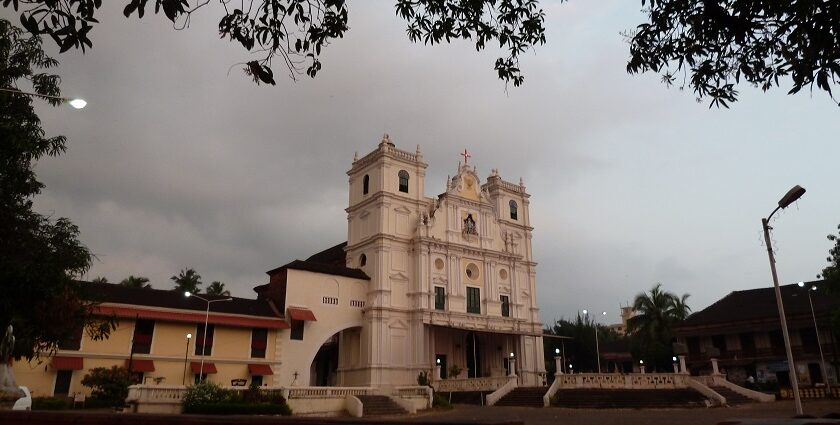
(77, 103)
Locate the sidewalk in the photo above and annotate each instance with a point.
(755, 413)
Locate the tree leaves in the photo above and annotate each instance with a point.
(715, 44)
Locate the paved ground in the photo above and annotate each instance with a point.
(770, 413)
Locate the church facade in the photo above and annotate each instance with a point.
(421, 282)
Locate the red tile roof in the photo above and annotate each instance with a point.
(132, 311)
(298, 313)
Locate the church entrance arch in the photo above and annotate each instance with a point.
(336, 358)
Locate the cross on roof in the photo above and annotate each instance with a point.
(466, 156)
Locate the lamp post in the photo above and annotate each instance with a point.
(76, 103)
(206, 318)
(790, 197)
(597, 347)
(819, 344)
(186, 351)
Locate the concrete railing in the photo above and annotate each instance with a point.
(556, 385)
(471, 384)
(505, 389)
(419, 396)
(354, 406)
(638, 381)
(155, 398)
(746, 392)
(707, 392)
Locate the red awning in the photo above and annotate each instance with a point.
(67, 363)
(140, 365)
(260, 369)
(297, 313)
(208, 367)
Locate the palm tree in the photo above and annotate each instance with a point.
(217, 289)
(136, 282)
(100, 279)
(656, 314)
(187, 281)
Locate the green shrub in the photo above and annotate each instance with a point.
(109, 385)
(241, 408)
(203, 393)
(51, 403)
(440, 401)
(423, 378)
(454, 371)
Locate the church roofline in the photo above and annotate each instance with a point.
(331, 269)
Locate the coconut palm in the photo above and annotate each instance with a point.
(136, 282)
(187, 281)
(217, 289)
(100, 279)
(656, 313)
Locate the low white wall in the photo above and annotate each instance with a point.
(317, 407)
(417, 397)
(354, 406)
(155, 398)
(497, 395)
(746, 392)
(552, 390)
(707, 392)
(637, 381)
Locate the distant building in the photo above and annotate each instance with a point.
(743, 331)
(621, 328)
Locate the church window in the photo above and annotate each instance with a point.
(440, 298)
(365, 184)
(513, 210)
(297, 330)
(473, 300)
(362, 260)
(472, 271)
(403, 181)
(505, 305)
(259, 342)
(200, 348)
(142, 339)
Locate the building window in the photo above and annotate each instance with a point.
(473, 300)
(440, 298)
(776, 338)
(513, 210)
(808, 336)
(747, 342)
(505, 305)
(297, 330)
(403, 181)
(257, 380)
(362, 260)
(259, 342)
(719, 342)
(72, 342)
(693, 344)
(62, 382)
(200, 340)
(365, 184)
(142, 340)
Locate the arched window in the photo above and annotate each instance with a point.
(513, 210)
(365, 184)
(403, 181)
(362, 260)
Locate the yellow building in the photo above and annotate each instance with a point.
(159, 336)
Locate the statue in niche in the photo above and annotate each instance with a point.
(469, 225)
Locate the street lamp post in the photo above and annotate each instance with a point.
(790, 197)
(186, 352)
(597, 347)
(76, 103)
(206, 319)
(819, 343)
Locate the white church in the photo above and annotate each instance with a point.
(441, 285)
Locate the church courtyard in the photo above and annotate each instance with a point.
(779, 412)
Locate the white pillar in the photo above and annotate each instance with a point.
(512, 367)
(437, 373)
(558, 365)
(715, 370)
(642, 369)
(682, 364)
(676, 368)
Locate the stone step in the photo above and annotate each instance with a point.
(732, 398)
(379, 405)
(524, 396)
(628, 398)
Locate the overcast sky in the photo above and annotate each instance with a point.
(177, 162)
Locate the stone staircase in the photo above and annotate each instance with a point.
(465, 397)
(732, 398)
(524, 396)
(628, 399)
(379, 405)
